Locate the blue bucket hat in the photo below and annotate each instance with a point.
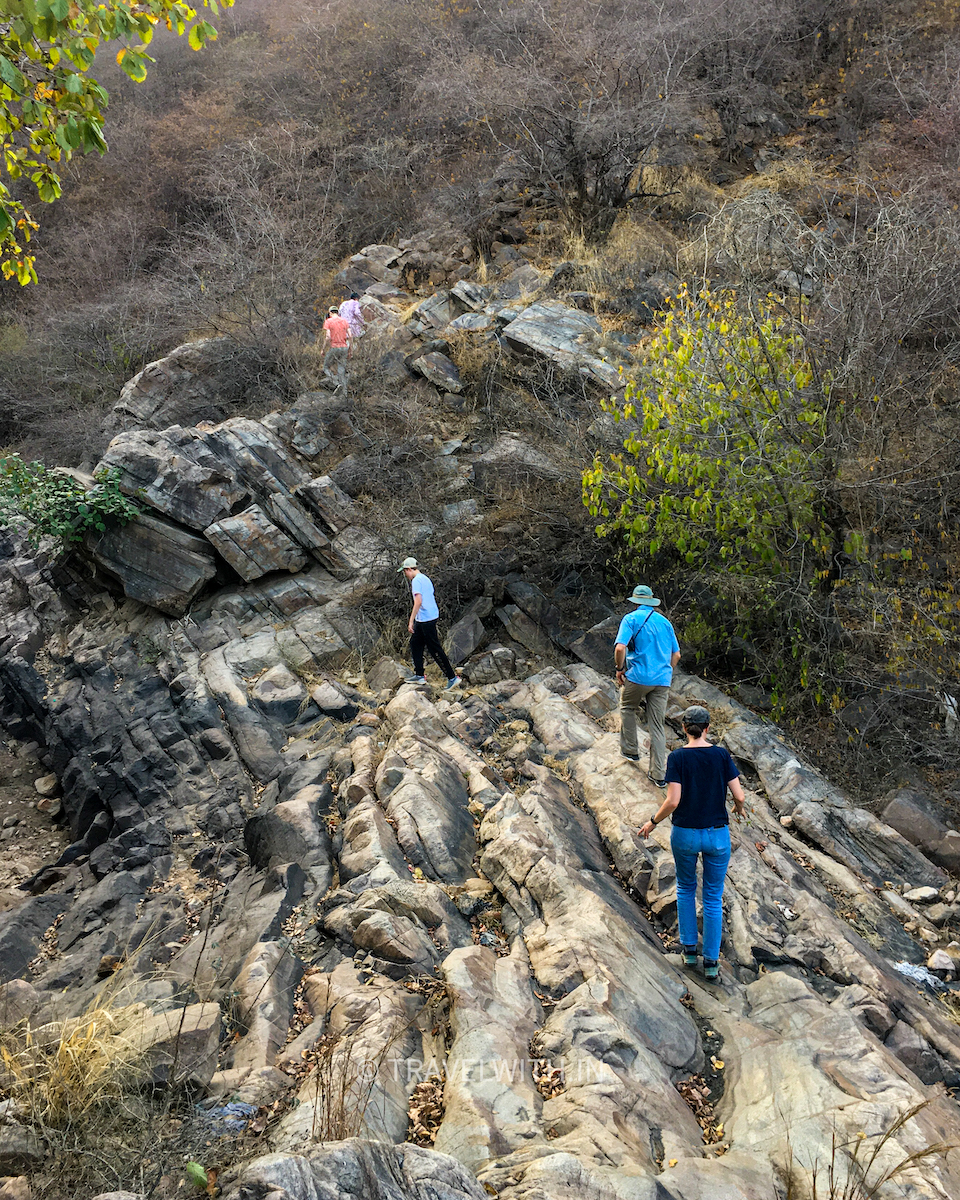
(641, 594)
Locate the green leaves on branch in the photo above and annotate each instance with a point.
(730, 462)
(51, 107)
(54, 504)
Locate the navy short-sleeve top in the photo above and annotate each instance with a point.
(703, 773)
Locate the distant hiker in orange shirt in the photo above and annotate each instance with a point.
(338, 343)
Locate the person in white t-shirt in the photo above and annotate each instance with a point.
(423, 624)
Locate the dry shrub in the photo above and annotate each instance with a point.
(686, 191)
(788, 177)
(477, 355)
(60, 1073)
(751, 239)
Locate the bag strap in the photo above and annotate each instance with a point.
(633, 637)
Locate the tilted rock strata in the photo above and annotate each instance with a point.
(440, 922)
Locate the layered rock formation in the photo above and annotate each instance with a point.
(376, 914)
(451, 887)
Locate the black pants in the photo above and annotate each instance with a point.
(425, 636)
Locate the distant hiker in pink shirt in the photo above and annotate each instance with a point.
(338, 343)
(352, 313)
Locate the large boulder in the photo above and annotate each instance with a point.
(177, 473)
(564, 335)
(911, 814)
(201, 381)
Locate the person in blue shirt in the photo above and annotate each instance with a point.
(423, 624)
(698, 776)
(645, 654)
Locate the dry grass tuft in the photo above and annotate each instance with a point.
(60, 1073)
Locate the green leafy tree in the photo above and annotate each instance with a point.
(732, 459)
(50, 105)
(52, 503)
(731, 467)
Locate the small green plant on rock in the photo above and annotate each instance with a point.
(53, 503)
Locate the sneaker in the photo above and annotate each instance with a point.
(418, 679)
(689, 956)
(631, 757)
(711, 970)
(454, 682)
(660, 783)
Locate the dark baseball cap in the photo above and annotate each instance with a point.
(696, 714)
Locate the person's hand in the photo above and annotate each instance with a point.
(410, 627)
(620, 676)
(738, 811)
(646, 830)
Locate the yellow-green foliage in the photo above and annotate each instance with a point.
(731, 445)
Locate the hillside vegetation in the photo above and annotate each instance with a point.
(798, 158)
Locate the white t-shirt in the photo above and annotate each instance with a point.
(428, 605)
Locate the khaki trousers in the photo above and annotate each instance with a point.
(632, 697)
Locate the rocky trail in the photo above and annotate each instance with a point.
(411, 938)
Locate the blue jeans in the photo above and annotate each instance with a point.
(687, 845)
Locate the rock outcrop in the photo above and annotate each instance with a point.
(448, 891)
(377, 913)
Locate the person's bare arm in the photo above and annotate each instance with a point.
(674, 658)
(417, 601)
(620, 661)
(664, 811)
(349, 346)
(736, 790)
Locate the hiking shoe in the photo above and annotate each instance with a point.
(630, 757)
(418, 679)
(689, 956)
(660, 783)
(711, 970)
(454, 682)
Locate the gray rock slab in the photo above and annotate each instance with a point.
(263, 1004)
(438, 310)
(523, 630)
(312, 640)
(180, 1045)
(205, 380)
(471, 295)
(292, 831)
(279, 695)
(510, 461)
(331, 504)
(177, 473)
(439, 370)
(491, 1103)
(253, 545)
(20, 1150)
(595, 646)
(155, 562)
(464, 637)
(562, 334)
(21, 930)
(359, 1170)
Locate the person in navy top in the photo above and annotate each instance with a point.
(698, 776)
(645, 654)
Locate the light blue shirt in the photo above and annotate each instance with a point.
(428, 604)
(648, 657)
